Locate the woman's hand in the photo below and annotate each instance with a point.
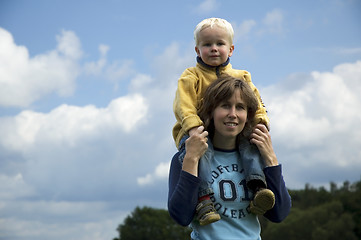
(262, 139)
(196, 146)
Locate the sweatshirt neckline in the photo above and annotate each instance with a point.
(201, 62)
(224, 150)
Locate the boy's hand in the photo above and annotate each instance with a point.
(192, 131)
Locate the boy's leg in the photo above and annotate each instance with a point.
(182, 148)
(252, 164)
(264, 198)
(205, 211)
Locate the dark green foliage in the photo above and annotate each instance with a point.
(320, 214)
(149, 223)
(316, 214)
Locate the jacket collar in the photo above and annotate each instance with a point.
(216, 68)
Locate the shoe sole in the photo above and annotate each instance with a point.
(209, 218)
(264, 199)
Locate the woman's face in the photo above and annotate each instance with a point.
(229, 119)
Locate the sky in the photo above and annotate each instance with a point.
(86, 93)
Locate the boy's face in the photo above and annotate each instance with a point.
(214, 46)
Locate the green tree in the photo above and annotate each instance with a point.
(315, 214)
(320, 214)
(149, 223)
(327, 221)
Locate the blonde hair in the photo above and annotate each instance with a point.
(210, 22)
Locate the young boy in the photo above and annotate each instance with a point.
(214, 47)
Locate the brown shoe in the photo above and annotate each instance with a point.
(263, 200)
(206, 213)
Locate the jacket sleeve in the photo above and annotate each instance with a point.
(261, 113)
(277, 185)
(183, 193)
(185, 102)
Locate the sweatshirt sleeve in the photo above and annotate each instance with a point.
(277, 185)
(183, 192)
(185, 102)
(261, 113)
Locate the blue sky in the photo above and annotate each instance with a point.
(86, 91)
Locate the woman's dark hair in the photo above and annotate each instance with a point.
(221, 90)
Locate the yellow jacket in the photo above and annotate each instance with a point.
(191, 86)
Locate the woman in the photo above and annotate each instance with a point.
(227, 111)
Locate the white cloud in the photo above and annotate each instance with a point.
(243, 30)
(59, 220)
(274, 21)
(71, 124)
(69, 45)
(140, 82)
(207, 6)
(115, 71)
(161, 172)
(13, 187)
(313, 119)
(167, 67)
(87, 152)
(249, 32)
(25, 79)
(96, 68)
(325, 104)
(73, 153)
(173, 61)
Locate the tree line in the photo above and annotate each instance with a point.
(316, 214)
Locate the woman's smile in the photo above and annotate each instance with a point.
(230, 118)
